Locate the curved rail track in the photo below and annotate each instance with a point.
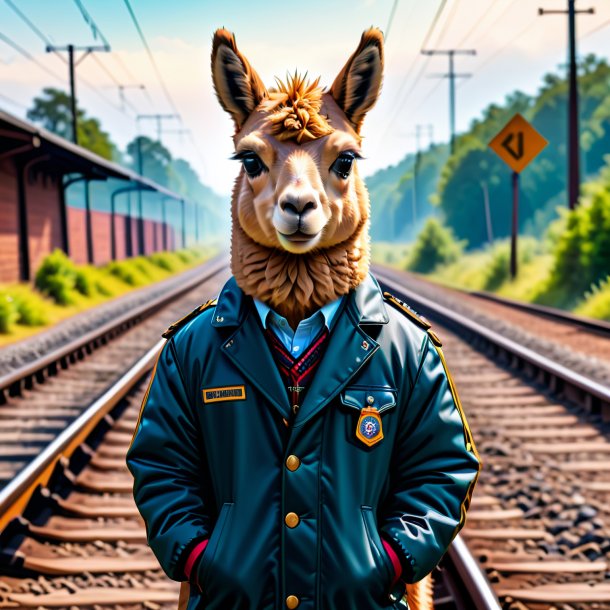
(539, 523)
(79, 541)
(43, 398)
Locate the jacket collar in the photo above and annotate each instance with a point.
(366, 302)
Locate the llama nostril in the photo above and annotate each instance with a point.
(310, 205)
(289, 206)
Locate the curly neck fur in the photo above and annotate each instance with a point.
(297, 285)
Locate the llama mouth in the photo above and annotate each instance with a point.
(298, 237)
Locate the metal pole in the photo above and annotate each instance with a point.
(112, 227)
(140, 224)
(183, 224)
(573, 128)
(515, 226)
(128, 235)
(88, 227)
(196, 222)
(73, 94)
(452, 100)
(490, 235)
(164, 221)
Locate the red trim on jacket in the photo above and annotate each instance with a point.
(394, 559)
(193, 557)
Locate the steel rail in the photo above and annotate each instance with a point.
(14, 497)
(474, 588)
(600, 326)
(59, 357)
(554, 313)
(586, 391)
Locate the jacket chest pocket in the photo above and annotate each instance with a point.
(367, 407)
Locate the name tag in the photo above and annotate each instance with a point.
(233, 392)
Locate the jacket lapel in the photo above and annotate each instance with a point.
(247, 347)
(349, 348)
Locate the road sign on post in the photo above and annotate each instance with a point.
(517, 144)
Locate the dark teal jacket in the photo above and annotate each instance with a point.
(209, 459)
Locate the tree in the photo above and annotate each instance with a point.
(156, 159)
(52, 110)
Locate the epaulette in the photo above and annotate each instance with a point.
(413, 316)
(173, 328)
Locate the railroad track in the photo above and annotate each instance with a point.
(576, 343)
(539, 524)
(43, 398)
(80, 542)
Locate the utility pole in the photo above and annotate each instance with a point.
(159, 118)
(573, 127)
(451, 75)
(72, 49)
(122, 97)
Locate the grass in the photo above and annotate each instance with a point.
(63, 289)
(487, 269)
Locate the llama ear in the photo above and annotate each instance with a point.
(238, 87)
(358, 84)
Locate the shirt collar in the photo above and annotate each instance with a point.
(328, 312)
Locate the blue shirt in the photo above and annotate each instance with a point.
(296, 342)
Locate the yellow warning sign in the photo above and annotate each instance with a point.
(518, 144)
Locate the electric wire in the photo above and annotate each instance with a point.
(95, 30)
(151, 58)
(41, 35)
(598, 28)
(390, 21)
(10, 100)
(11, 43)
(477, 24)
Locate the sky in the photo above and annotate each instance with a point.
(514, 46)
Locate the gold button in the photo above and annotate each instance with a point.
(292, 462)
(292, 601)
(295, 409)
(291, 520)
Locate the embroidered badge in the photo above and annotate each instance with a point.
(369, 429)
(233, 392)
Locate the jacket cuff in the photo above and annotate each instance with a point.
(193, 556)
(393, 555)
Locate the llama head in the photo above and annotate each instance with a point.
(298, 201)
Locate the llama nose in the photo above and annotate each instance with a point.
(298, 205)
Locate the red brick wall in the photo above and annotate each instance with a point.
(77, 235)
(44, 219)
(9, 224)
(120, 235)
(100, 224)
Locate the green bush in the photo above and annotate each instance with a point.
(597, 301)
(84, 283)
(8, 312)
(497, 270)
(57, 276)
(126, 272)
(186, 256)
(582, 251)
(31, 309)
(165, 260)
(435, 245)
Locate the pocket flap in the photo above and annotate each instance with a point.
(358, 397)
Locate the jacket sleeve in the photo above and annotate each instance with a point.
(165, 459)
(435, 468)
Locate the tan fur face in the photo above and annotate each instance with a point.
(300, 203)
(299, 191)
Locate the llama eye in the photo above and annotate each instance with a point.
(251, 162)
(343, 164)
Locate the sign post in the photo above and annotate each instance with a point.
(517, 144)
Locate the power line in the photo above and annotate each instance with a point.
(95, 30)
(151, 57)
(390, 21)
(11, 43)
(41, 35)
(477, 23)
(10, 100)
(599, 28)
